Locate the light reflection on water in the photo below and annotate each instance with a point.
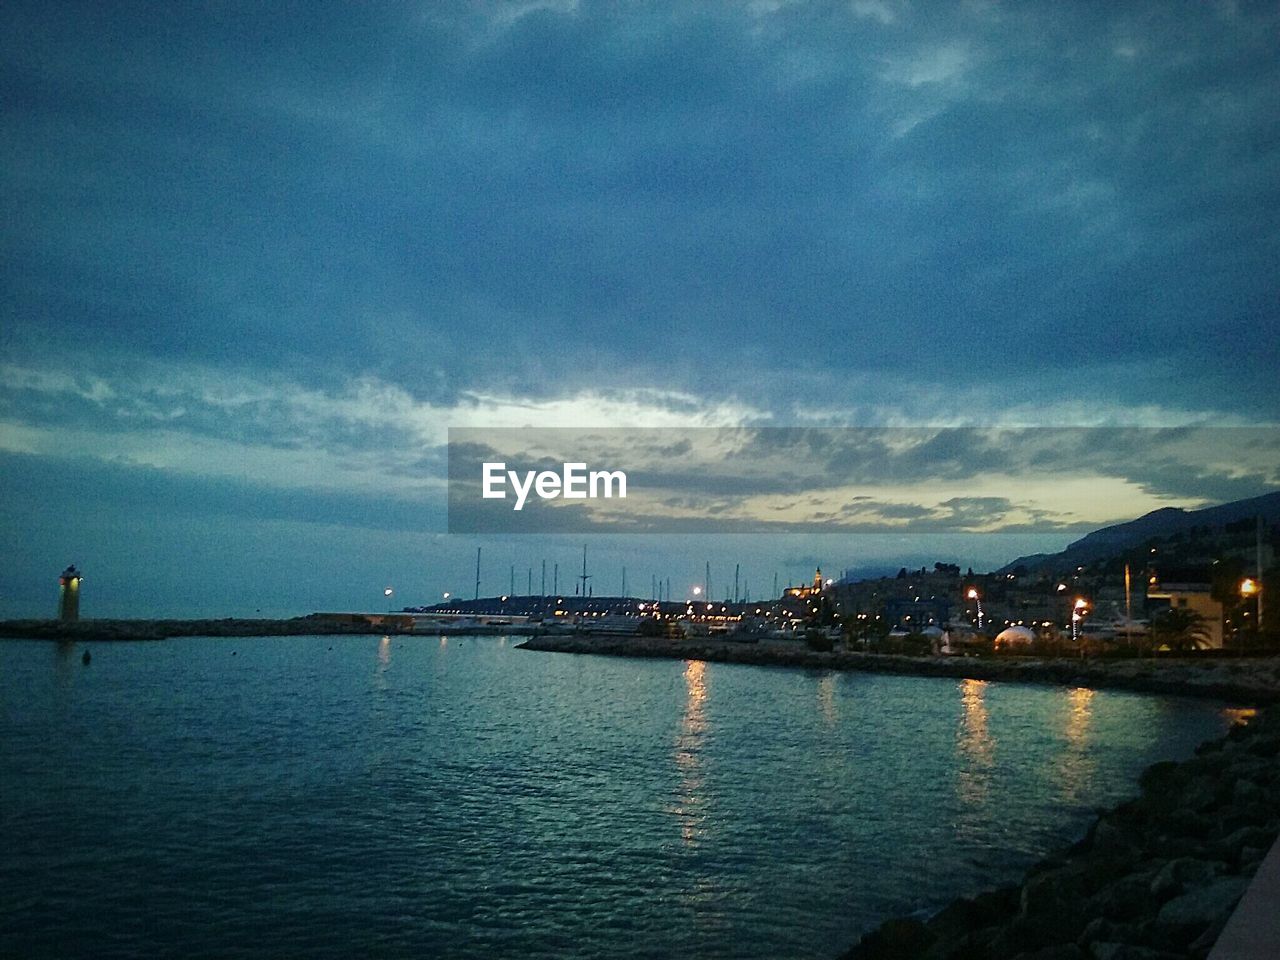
(1239, 714)
(690, 796)
(1078, 721)
(827, 699)
(424, 796)
(977, 750)
(1077, 764)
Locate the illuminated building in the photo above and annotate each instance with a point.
(812, 591)
(1189, 590)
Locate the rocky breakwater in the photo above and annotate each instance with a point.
(1254, 680)
(1154, 879)
(107, 630)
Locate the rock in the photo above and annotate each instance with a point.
(1107, 833)
(1251, 856)
(1113, 839)
(963, 916)
(1102, 930)
(1265, 746)
(1209, 763)
(1178, 875)
(1175, 848)
(1231, 847)
(1053, 904)
(1246, 792)
(1161, 779)
(1058, 951)
(1127, 898)
(1185, 917)
(1002, 902)
(1126, 951)
(1251, 814)
(1019, 936)
(1186, 822)
(900, 939)
(971, 946)
(1202, 944)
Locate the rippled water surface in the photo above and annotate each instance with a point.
(417, 797)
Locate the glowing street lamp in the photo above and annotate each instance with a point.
(1250, 587)
(387, 593)
(697, 591)
(973, 595)
(1077, 614)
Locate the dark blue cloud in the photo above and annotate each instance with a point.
(303, 185)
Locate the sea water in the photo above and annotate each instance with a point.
(432, 797)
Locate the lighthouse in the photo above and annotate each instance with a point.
(69, 594)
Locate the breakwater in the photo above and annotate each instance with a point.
(1156, 877)
(107, 630)
(1240, 680)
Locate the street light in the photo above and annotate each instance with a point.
(387, 593)
(1077, 614)
(973, 595)
(1250, 587)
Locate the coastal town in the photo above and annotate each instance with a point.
(1201, 589)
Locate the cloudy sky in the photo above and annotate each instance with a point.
(257, 259)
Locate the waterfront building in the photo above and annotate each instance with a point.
(1188, 590)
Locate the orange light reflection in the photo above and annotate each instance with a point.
(977, 747)
(693, 726)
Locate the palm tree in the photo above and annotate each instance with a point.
(1179, 629)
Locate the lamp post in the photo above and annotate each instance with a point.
(973, 595)
(1250, 587)
(1077, 614)
(387, 593)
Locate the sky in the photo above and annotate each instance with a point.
(257, 260)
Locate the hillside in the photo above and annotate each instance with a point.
(1166, 522)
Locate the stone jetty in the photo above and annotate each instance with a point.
(107, 630)
(1253, 681)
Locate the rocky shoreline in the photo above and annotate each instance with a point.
(1254, 681)
(1156, 878)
